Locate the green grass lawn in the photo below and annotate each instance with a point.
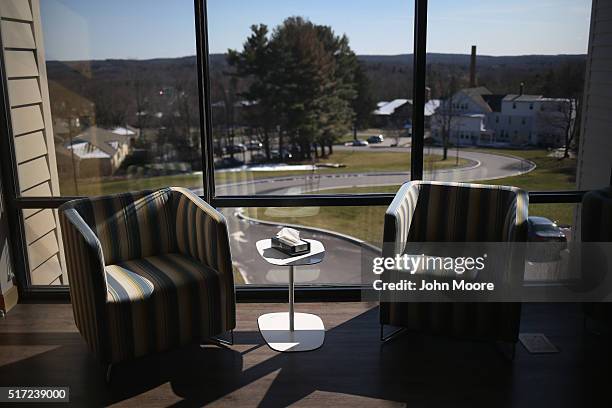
(357, 161)
(550, 174)
(361, 134)
(366, 223)
(361, 222)
(354, 161)
(96, 187)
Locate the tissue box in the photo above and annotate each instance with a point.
(290, 248)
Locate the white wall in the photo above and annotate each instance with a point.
(595, 155)
(24, 58)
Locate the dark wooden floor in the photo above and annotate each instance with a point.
(39, 345)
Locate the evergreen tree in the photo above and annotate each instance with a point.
(305, 82)
(255, 62)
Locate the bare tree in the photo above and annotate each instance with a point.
(141, 105)
(446, 115)
(563, 117)
(228, 110)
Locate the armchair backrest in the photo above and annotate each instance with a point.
(130, 225)
(596, 216)
(455, 212)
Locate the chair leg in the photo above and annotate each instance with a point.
(391, 335)
(589, 326)
(507, 353)
(224, 342)
(109, 370)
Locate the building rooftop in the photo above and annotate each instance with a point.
(522, 98)
(95, 142)
(390, 107)
(479, 90)
(85, 150)
(126, 131)
(494, 101)
(431, 106)
(477, 94)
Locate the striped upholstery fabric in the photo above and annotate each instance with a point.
(201, 233)
(149, 271)
(596, 216)
(456, 212)
(85, 265)
(125, 223)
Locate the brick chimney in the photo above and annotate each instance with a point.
(473, 68)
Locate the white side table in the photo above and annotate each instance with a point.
(290, 331)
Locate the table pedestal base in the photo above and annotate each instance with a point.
(308, 333)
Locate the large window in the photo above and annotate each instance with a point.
(310, 97)
(312, 113)
(519, 72)
(103, 99)
(123, 95)
(347, 233)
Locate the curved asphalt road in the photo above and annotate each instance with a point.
(343, 259)
(483, 166)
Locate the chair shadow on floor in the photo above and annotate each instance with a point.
(351, 367)
(351, 362)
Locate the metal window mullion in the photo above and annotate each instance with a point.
(418, 89)
(372, 199)
(201, 27)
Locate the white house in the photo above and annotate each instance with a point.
(464, 117)
(97, 152)
(394, 114)
(533, 120)
(504, 119)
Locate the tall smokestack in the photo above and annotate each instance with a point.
(473, 68)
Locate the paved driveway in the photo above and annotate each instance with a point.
(343, 258)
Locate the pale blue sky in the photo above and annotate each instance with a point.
(94, 29)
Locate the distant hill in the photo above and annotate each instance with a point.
(112, 67)
(390, 75)
(482, 60)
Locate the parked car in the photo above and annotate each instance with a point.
(237, 148)
(258, 158)
(219, 151)
(284, 154)
(228, 163)
(357, 143)
(376, 139)
(541, 230)
(254, 145)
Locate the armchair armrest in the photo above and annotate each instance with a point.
(398, 218)
(201, 232)
(88, 285)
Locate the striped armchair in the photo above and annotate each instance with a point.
(596, 226)
(148, 271)
(456, 212)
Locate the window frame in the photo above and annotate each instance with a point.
(15, 203)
